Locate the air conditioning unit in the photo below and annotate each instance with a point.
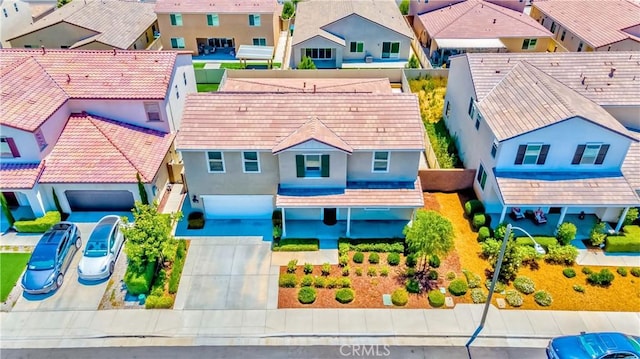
(368, 59)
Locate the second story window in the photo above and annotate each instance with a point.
(447, 109)
(553, 27)
(481, 177)
(213, 20)
(15, 6)
(312, 166)
(356, 46)
(494, 148)
(215, 162)
(259, 41)
(472, 109)
(478, 120)
(176, 19)
(8, 148)
(250, 162)
(42, 142)
(529, 44)
(153, 111)
(532, 154)
(380, 162)
(184, 77)
(254, 20)
(4, 11)
(564, 33)
(590, 154)
(580, 46)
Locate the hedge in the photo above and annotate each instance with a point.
(307, 295)
(155, 302)
(478, 221)
(297, 245)
(38, 225)
(629, 241)
(543, 241)
(400, 297)
(458, 287)
(389, 245)
(139, 282)
(178, 265)
(345, 295)
(472, 207)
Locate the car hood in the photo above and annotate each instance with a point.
(37, 279)
(569, 347)
(92, 265)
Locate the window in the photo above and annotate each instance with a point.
(184, 77)
(176, 19)
(478, 119)
(447, 109)
(580, 46)
(4, 11)
(356, 46)
(8, 148)
(177, 42)
(153, 111)
(177, 92)
(215, 161)
(532, 154)
(319, 54)
(482, 176)
(259, 41)
(390, 50)
(28, 46)
(213, 20)
(380, 162)
(542, 21)
(254, 20)
(590, 154)
(42, 142)
(67, 46)
(146, 37)
(529, 44)
(494, 148)
(553, 27)
(313, 166)
(472, 109)
(564, 33)
(250, 162)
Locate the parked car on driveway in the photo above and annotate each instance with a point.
(594, 346)
(105, 242)
(51, 258)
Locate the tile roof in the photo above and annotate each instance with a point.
(571, 69)
(381, 85)
(218, 6)
(313, 15)
(548, 102)
(29, 95)
(477, 19)
(246, 121)
(101, 74)
(357, 197)
(631, 164)
(117, 23)
(19, 175)
(542, 189)
(313, 129)
(93, 149)
(598, 23)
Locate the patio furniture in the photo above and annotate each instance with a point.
(516, 214)
(539, 217)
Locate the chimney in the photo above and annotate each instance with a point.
(44, 51)
(613, 69)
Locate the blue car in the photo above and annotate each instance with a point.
(51, 258)
(594, 346)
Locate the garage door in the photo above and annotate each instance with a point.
(238, 207)
(100, 200)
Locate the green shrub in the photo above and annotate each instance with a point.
(632, 215)
(524, 285)
(38, 225)
(297, 245)
(432, 275)
(384, 271)
(292, 265)
(458, 287)
(543, 298)
(158, 302)
(372, 272)
(326, 269)
(393, 259)
(345, 270)
(343, 248)
(195, 220)
(562, 254)
(359, 271)
(628, 241)
(578, 288)
(500, 231)
(479, 220)
(413, 286)
(344, 283)
(287, 280)
(484, 233)
(602, 278)
(528, 254)
(400, 297)
(139, 280)
(544, 241)
(586, 270)
(635, 271)
(513, 298)
(597, 234)
(345, 295)
(566, 233)
(436, 298)
(343, 260)
(434, 261)
(410, 272)
(569, 272)
(473, 280)
(451, 275)
(307, 268)
(388, 245)
(622, 271)
(358, 257)
(472, 207)
(306, 281)
(287, 10)
(478, 295)
(500, 287)
(178, 266)
(490, 248)
(307, 295)
(411, 260)
(374, 258)
(332, 282)
(320, 282)
(151, 302)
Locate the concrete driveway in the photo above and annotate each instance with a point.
(228, 273)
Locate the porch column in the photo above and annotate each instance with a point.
(503, 214)
(348, 222)
(284, 227)
(35, 202)
(563, 212)
(621, 220)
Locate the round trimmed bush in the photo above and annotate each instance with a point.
(400, 297)
(436, 298)
(411, 261)
(635, 271)
(543, 298)
(479, 220)
(569, 272)
(434, 261)
(483, 233)
(622, 271)
(513, 298)
(451, 275)
(306, 281)
(413, 286)
(472, 207)
(345, 295)
(393, 259)
(478, 295)
(287, 280)
(458, 287)
(566, 233)
(524, 285)
(307, 295)
(432, 275)
(358, 257)
(603, 278)
(374, 258)
(587, 270)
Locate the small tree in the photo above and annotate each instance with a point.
(413, 63)
(6, 210)
(404, 7)
(566, 233)
(306, 64)
(287, 10)
(632, 215)
(510, 262)
(143, 192)
(430, 233)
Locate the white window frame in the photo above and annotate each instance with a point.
(256, 161)
(530, 153)
(357, 43)
(5, 149)
(41, 140)
(594, 147)
(313, 173)
(180, 44)
(259, 38)
(374, 160)
(318, 57)
(149, 106)
(256, 20)
(215, 20)
(392, 55)
(177, 18)
(209, 161)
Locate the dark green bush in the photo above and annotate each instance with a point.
(358, 257)
(292, 265)
(306, 281)
(635, 272)
(524, 285)
(411, 261)
(296, 245)
(473, 280)
(432, 275)
(374, 258)
(569, 272)
(287, 280)
(434, 261)
(586, 270)
(484, 233)
(413, 286)
(566, 233)
(472, 207)
(602, 278)
(400, 297)
(195, 220)
(622, 271)
(38, 225)
(178, 266)
(307, 295)
(543, 298)
(562, 254)
(393, 259)
(287, 10)
(458, 287)
(139, 280)
(479, 220)
(436, 298)
(345, 295)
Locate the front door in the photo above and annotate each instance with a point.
(330, 216)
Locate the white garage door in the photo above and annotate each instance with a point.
(238, 207)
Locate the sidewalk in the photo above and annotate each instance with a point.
(589, 258)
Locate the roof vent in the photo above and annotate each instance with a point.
(68, 78)
(242, 109)
(353, 109)
(381, 130)
(613, 69)
(497, 71)
(494, 21)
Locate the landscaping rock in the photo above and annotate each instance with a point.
(448, 302)
(501, 303)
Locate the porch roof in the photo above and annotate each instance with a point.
(565, 189)
(357, 194)
(20, 175)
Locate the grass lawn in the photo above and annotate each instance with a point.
(207, 87)
(239, 66)
(11, 266)
(198, 65)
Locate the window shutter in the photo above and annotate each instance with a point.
(602, 154)
(480, 172)
(299, 166)
(520, 156)
(324, 163)
(578, 155)
(543, 154)
(13, 147)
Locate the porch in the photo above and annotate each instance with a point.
(220, 54)
(328, 235)
(583, 226)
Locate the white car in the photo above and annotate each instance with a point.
(101, 252)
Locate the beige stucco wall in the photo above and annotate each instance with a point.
(337, 173)
(514, 44)
(55, 36)
(403, 166)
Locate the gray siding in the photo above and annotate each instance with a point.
(337, 173)
(319, 43)
(403, 166)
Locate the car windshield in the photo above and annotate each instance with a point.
(97, 245)
(43, 257)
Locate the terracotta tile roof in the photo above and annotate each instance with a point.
(218, 6)
(246, 121)
(19, 175)
(542, 189)
(313, 15)
(117, 23)
(29, 95)
(93, 149)
(381, 85)
(101, 74)
(477, 19)
(313, 129)
(598, 23)
(356, 197)
(631, 164)
(548, 102)
(570, 68)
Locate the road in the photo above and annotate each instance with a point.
(275, 352)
